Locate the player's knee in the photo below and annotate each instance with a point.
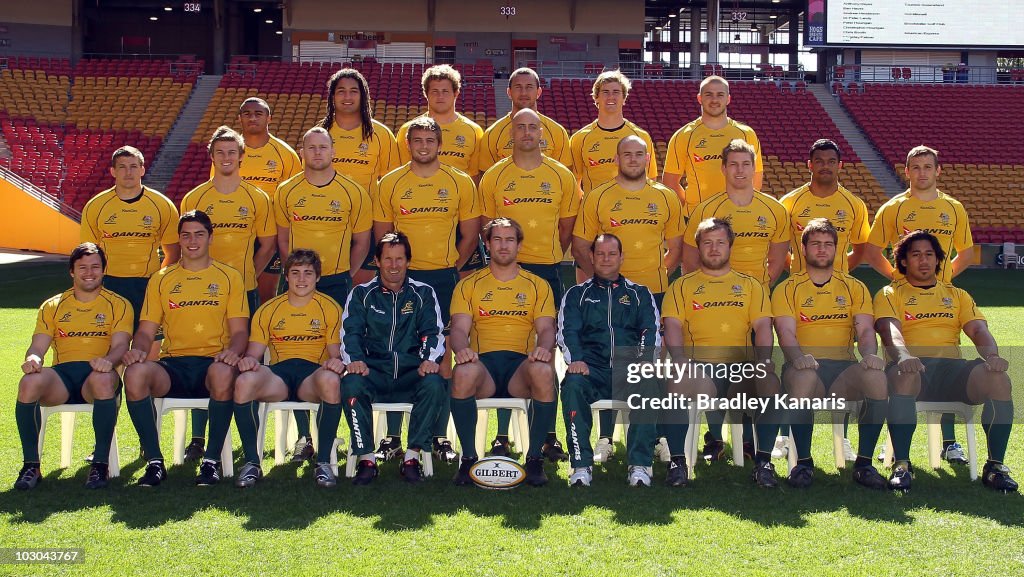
(137, 381)
(998, 386)
(541, 373)
(328, 385)
(801, 382)
(433, 387)
(905, 384)
(245, 387)
(873, 384)
(353, 386)
(220, 381)
(573, 385)
(465, 379)
(30, 388)
(102, 385)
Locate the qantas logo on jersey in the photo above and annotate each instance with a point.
(697, 159)
(506, 202)
(196, 303)
(351, 161)
(408, 211)
(233, 225)
(935, 231)
(593, 163)
(751, 234)
(295, 338)
(313, 218)
(260, 179)
(908, 316)
(500, 313)
(628, 221)
(832, 317)
(454, 153)
(126, 234)
(85, 334)
(716, 304)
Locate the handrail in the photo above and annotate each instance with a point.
(929, 74)
(40, 194)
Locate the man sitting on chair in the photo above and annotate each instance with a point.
(89, 328)
(496, 312)
(202, 306)
(301, 329)
(392, 343)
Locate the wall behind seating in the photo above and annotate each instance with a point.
(32, 225)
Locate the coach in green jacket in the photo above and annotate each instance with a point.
(605, 323)
(391, 343)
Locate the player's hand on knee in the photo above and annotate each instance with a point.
(996, 364)
(134, 356)
(358, 368)
(228, 357)
(32, 364)
(578, 368)
(540, 354)
(247, 364)
(910, 365)
(805, 362)
(101, 365)
(872, 362)
(466, 355)
(335, 366)
(428, 367)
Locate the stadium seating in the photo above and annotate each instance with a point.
(57, 123)
(982, 165)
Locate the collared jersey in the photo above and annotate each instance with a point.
(824, 315)
(297, 332)
(594, 151)
(642, 220)
(239, 218)
(324, 218)
(943, 217)
(194, 307)
(536, 199)
(503, 312)
(130, 232)
(930, 318)
(497, 144)
(460, 144)
(269, 165)
(847, 213)
(717, 313)
(757, 225)
(428, 211)
(695, 152)
(364, 161)
(82, 331)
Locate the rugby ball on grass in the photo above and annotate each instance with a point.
(497, 473)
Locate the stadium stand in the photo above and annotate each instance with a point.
(982, 162)
(61, 122)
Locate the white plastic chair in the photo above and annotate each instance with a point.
(67, 433)
(621, 418)
(285, 434)
(735, 430)
(180, 408)
(520, 424)
(380, 411)
(935, 434)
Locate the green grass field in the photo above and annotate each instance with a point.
(722, 524)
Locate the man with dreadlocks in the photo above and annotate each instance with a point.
(364, 149)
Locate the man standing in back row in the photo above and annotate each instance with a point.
(693, 151)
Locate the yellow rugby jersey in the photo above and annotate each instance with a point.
(695, 152)
(823, 314)
(194, 307)
(943, 217)
(717, 313)
(428, 211)
(758, 225)
(269, 165)
(238, 219)
(364, 161)
(536, 199)
(297, 332)
(503, 312)
(130, 232)
(497, 143)
(324, 218)
(642, 220)
(847, 212)
(82, 331)
(460, 144)
(594, 150)
(931, 318)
